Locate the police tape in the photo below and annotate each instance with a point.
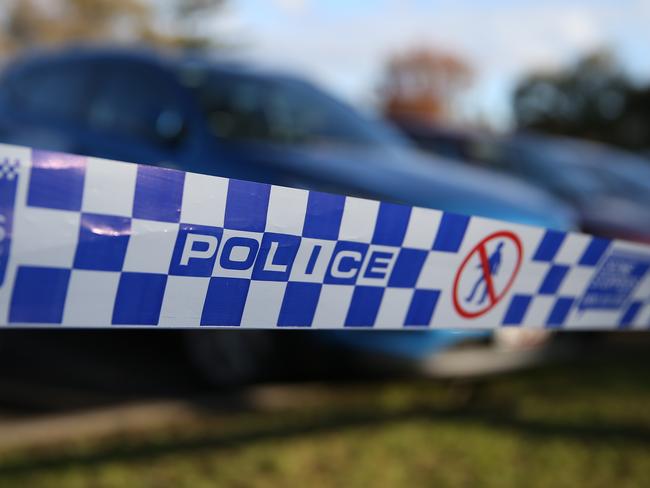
(88, 242)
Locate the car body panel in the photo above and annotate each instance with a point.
(393, 171)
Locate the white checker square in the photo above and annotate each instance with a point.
(394, 307)
(301, 264)
(438, 268)
(530, 277)
(538, 311)
(572, 249)
(204, 200)
(150, 246)
(576, 281)
(422, 228)
(90, 298)
(358, 221)
(45, 237)
(109, 187)
(333, 305)
(183, 301)
(286, 211)
(263, 304)
(642, 290)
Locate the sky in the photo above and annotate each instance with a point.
(343, 45)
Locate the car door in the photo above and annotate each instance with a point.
(136, 113)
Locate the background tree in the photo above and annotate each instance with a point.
(32, 23)
(593, 99)
(423, 85)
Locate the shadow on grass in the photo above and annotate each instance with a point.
(618, 371)
(328, 423)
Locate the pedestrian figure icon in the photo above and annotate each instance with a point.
(494, 262)
(486, 274)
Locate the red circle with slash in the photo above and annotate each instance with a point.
(493, 296)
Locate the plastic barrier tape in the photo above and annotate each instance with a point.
(92, 243)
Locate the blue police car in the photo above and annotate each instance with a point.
(236, 121)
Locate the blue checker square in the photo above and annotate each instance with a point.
(517, 310)
(139, 298)
(323, 215)
(407, 268)
(549, 246)
(559, 312)
(450, 232)
(225, 301)
(594, 251)
(56, 181)
(276, 256)
(195, 250)
(630, 314)
(246, 205)
(158, 194)
(102, 243)
(364, 306)
(390, 227)
(39, 295)
(299, 304)
(553, 279)
(422, 306)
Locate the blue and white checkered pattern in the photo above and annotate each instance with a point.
(567, 264)
(8, 169)
(101, 243)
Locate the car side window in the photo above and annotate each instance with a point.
(248, 107)
(137, 102)
(236, 107)
(56, 91)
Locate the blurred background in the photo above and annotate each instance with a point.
(528, 112)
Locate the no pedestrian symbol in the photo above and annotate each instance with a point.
(487, 273)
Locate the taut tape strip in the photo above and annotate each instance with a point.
(93, 243)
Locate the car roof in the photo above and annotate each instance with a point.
(163, 59)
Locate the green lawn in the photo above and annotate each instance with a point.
(572, 425)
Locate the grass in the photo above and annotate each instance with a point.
(580, 424)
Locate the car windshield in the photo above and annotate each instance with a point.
(281, 110)
(555, 168)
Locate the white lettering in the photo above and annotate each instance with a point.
(189, 252)
(355, 256)
(268, 263)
